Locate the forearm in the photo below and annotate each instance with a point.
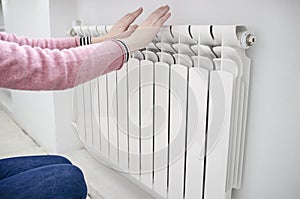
(44, 69)
(50, 43)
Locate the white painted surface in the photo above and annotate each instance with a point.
(1, 15)
(62, 12)
(133, 113)
(122, 118)
(198, 91)
(34, 112)
(20, 17)
(146, 89)
(177, 130)
(112, 117)
(218, 136)
(5, 98)
(66, 138)
(161, 116)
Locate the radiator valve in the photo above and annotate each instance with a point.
(247, 40)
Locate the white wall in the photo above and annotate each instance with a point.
(62, 12)
(1, 15)
(272, 158)
(21, 17)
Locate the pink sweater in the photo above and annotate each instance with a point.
(54, 64)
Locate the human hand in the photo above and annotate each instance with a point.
(122, 28)
(146, 32)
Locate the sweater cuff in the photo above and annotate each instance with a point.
(77, 41)
(85, 41)
(125, 49)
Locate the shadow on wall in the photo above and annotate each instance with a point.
(1, 18)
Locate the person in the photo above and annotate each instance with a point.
(57, 64)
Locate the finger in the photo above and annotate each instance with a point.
(135, 13)
(132, 16)
(163, 19)
(155, 12)
(160, 14)
(139, 10)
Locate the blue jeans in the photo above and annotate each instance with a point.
(41, 177)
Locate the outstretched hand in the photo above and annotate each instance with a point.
(146, 32)
(122, 28)
(137, 37)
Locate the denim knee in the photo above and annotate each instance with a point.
(15, 165)
(72, 179)
(61, 181)
(57, 159)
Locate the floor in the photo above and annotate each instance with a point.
(102, 181)
(14, 142)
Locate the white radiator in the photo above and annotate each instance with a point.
(172, 119)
